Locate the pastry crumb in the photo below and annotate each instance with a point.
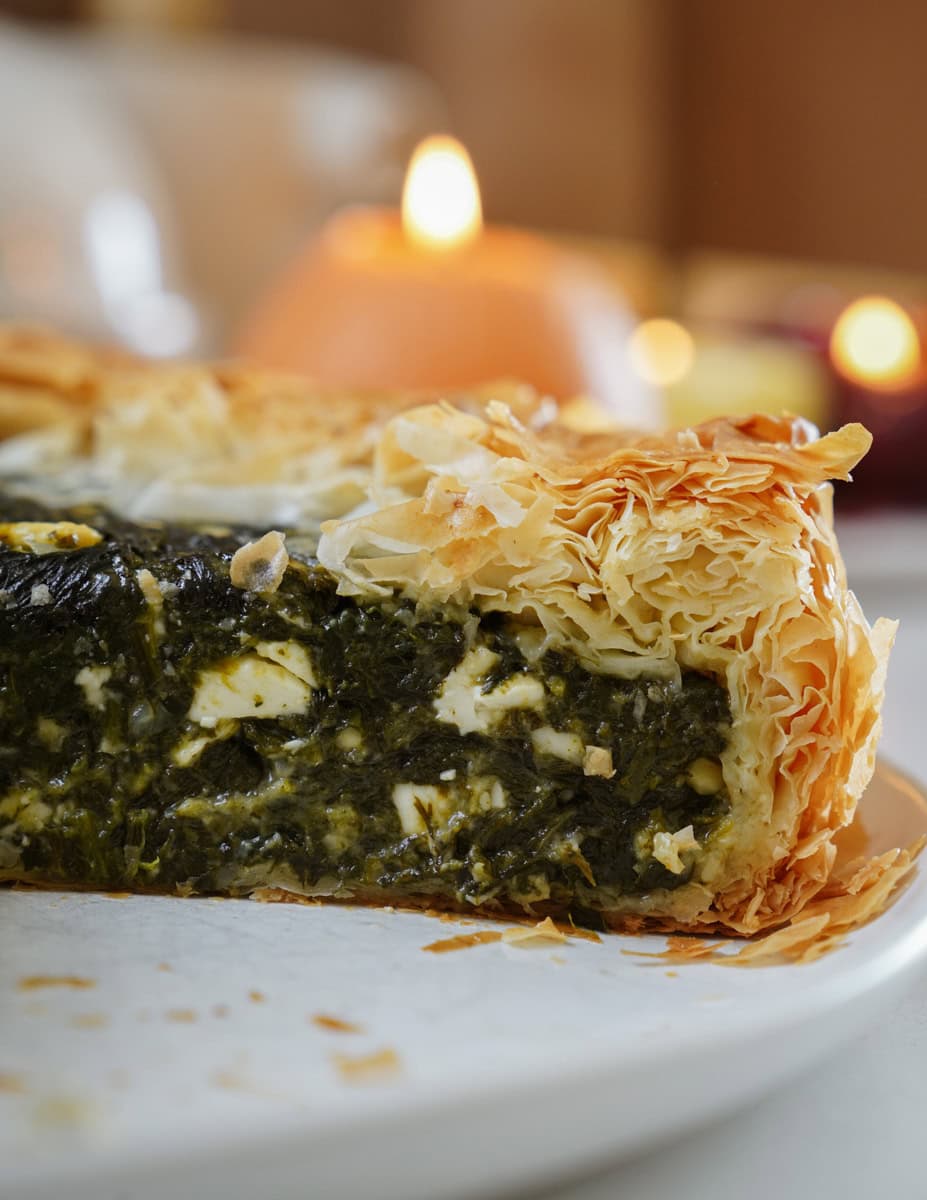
(65, 1112)
(32, 983)
(463, 941)
(544, 931)
(368, 1068)
(181, 1016)
(89, 1021)
(335, 1024)
(260, 566)
(598, 761)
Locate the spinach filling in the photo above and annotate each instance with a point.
(370, 769)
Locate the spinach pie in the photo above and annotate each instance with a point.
(450, 652)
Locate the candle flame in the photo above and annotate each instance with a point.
(441, 198)
(875, 342)
(661, 351)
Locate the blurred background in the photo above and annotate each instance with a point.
(746, 180)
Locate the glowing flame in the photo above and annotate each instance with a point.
(875, 342)
(661, 351)
(441, 198)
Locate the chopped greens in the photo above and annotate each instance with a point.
(136, 750)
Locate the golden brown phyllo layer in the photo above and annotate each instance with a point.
(495, 661)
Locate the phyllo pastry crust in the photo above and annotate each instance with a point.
(519, 668)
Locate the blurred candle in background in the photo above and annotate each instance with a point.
(710, 374)
(662, 351)
(432, 299)
(875, 343)
(881, 380)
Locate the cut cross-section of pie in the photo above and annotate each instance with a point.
(533, 669)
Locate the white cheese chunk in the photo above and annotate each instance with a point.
(668, 846)
(518, 691)
(291, 655)
(456, 702)
(532, 642)
(705, 776)
(487, 793)
(188, 751)
(26, 808)
(154, 598)
(461, 701)
(91, 681)
(248, 686)
(416, 801)
(350, 738)
(568, 746)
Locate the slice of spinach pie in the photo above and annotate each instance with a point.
(456, 653)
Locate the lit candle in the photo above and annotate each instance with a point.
(881, 378)
(875, 343)
(433, 299)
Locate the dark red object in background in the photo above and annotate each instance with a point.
(894, 472)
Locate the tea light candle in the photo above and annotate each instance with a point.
(881, 380)
(432, 299)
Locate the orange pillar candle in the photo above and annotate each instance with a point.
(432, 299)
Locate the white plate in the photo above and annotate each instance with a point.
(516, 1065)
